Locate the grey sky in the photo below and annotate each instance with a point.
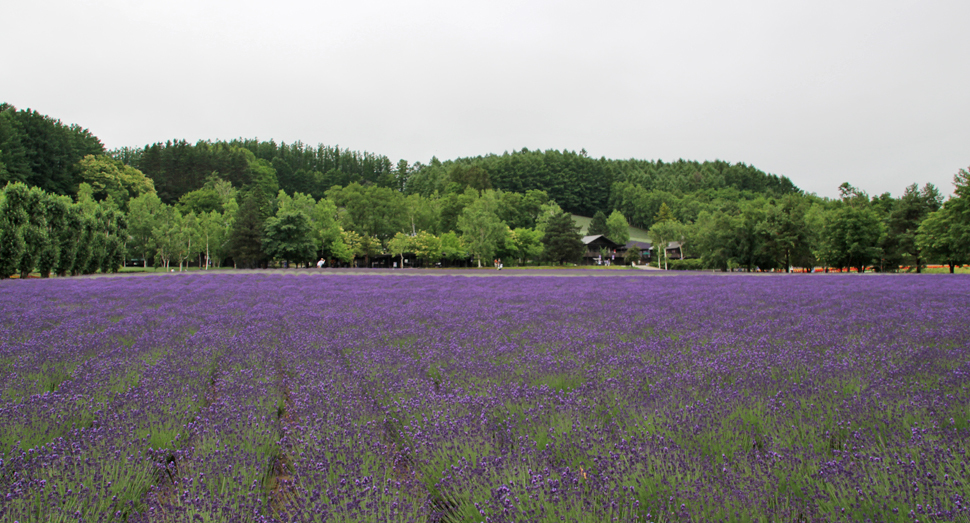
(873, 93)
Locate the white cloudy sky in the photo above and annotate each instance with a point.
(873, 93)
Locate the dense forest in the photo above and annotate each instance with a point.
(579, 184)
(255, 203)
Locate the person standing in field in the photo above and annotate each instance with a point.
(320, 263)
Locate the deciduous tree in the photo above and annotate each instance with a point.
(481, 229)
(617, 228)
(289, 236)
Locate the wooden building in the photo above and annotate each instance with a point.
(595, 246)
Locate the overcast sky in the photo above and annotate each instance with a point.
(873, 93)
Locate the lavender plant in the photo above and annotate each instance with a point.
(268, 397)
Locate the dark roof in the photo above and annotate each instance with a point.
(599, 239)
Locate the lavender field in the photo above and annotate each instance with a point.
(281, 397)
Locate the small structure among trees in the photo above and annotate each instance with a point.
(599, 248)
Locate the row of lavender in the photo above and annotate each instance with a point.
(356, 398)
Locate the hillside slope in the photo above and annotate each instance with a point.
(636, 233)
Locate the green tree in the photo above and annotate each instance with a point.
(452, 247)
(86, 256)
(56, 211)
(662, 234)
(632, 255)
(481, 229)
(114, 227)
(12, 152)
(598, 225)
(469, 177)
(547, 212)
(528, 244)
(400, 244)
(561, 239)
(142, 213)
(35, 231)
(944, 235)
(427, 247)
(665, 229)
(422, 213)
(246, 237)
(213, 233)
(519, 210)
(941, 237)
(664, 214)
(200, 201)
(264, 177)
(326, 228)
(370, 210)
(187, 236)
(451, 207)
(340, 251)
(97, 239)
(110, 178)
(69, 239)
(752, 238)
(165, 230)
(853, 233)
(361, 245)
(617, 228)
(43, 152)
(903, 221)
(789, 236)
(13, 219)
(289, 236)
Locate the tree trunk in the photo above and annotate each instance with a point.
(951, 268)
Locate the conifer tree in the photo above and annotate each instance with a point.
(597, 225)
(13, 218)
(562, 240)
(246, 238)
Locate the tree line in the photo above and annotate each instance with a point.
(855, 231)
(579, 184)
(41, 151)
(255, 203)
(219, 223)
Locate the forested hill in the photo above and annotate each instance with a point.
(584, 185)
(579, 184)
(41, 151)
(259, 201)
(178, 167)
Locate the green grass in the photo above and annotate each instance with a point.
(946, 270)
